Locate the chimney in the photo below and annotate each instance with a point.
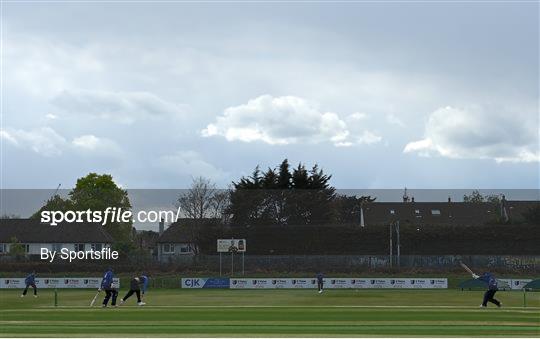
(161, 226)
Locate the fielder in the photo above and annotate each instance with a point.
(135, 287)
(107, 286)
(492, 288)
(30, 280)
(320, 282)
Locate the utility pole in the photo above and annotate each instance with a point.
(391, 245)
(398, 244)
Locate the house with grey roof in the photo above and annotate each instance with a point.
(177, 241)
(34, 235)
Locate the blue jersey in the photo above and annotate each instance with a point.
(489, 279)
(320, 277)
(106, 282)
(30, 279)
(144, 282)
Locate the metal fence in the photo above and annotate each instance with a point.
(342, 263)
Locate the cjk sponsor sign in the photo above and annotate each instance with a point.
(57, 283)
(205, 282)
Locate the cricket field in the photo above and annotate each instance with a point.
(271, 313)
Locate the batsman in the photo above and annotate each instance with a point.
(110, 290)
(491, 282)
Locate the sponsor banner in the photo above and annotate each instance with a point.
(226, 245)
(282, 283)
(12, 283)
(337, 283)
(248, 283)
(504, 284)
(304, 283)
(57, 283)
(379, 283)
(518, 284)
(258, 283)
(240, 283)
(361, 283)
(205, 282)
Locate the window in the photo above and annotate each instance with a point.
(185, 249)
(435, 212)
(26, 248)
(168, 248)
(416, 211)
(79, 247)
(57, 247)
(392, 212)
(3, 248)
(96, 247)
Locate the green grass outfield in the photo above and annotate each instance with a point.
(252, 313)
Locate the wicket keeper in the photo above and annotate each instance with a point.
(110, 290)
(492, 288)
(30, 280)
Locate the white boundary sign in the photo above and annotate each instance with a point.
(339, 283)
(57, 282)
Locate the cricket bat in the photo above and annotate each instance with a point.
(94, 300)
(466, 268)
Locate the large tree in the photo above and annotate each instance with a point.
(96, 192)
(281, 196)
(202, 200)
(203, 205)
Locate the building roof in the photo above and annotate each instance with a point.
(32, 231)
(462, 213)
(181, 231)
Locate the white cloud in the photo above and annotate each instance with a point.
(475, 133)
(357, 116)
(189, 163)
(44, 141)
(92, 143)
(394, 120)
(47, 142)
(51, 116)
(123, 107)
(283, 121)
(44, 67)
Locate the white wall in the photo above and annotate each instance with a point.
(35, 248)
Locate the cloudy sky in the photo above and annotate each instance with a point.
(381, 95)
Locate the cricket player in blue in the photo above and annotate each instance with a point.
(30, 280)
(110, 290)
(320, 282)
(144, 284)
(490, 280)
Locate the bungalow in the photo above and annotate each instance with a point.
(176, 242)
(34, 235)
